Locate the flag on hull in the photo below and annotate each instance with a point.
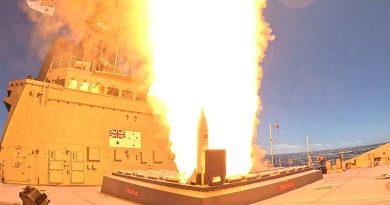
(124, 139)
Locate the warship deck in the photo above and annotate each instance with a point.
(355, 186)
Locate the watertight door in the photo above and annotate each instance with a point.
(56, 166)
(77, 168)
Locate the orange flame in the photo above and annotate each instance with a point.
(206, 57)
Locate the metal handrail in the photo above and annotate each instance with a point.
(79, 63)
(71, 62)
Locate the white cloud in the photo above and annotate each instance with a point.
(293, 148)
(351, 144)
(287, 148)
(316, 145)
(320, 146)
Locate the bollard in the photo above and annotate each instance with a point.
(329, 165)
(338, 164)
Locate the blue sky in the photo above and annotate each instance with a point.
(326, 75)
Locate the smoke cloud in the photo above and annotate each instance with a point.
(258, 156)
(79, 20)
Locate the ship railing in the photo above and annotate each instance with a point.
(104, 67)
(75, 62)
(71, 61)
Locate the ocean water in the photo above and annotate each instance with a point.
(298, 159)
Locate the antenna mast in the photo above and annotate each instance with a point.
(309, 160)
(270, 141)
